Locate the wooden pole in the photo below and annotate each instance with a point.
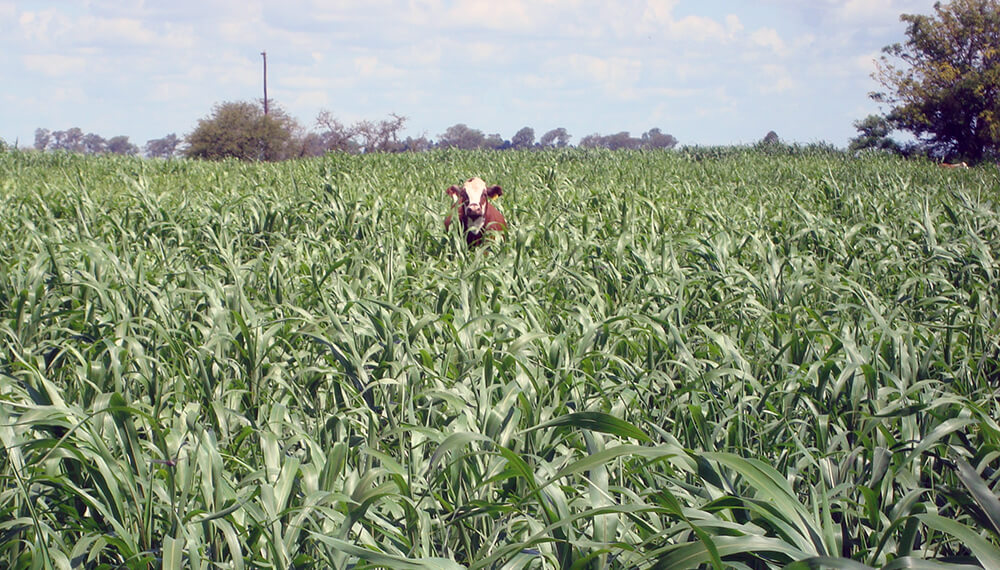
(264, 54)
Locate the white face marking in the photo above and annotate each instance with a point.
(476, 226)
(474, 188)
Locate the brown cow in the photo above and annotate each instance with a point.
(475, 212)
(956, 165)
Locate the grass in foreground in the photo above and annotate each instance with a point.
(708, 358)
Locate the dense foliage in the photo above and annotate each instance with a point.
(709, 357)
(944, 82)
(241, 129)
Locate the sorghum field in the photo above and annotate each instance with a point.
(703, 358)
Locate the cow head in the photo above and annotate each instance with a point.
(471, 198)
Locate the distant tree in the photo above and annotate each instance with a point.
(873, 134)
(70, 140)
(241, 130)
(943, 83)
(310, 144)
(462, 137)
(622, 140)
(496, 142)
(94, 144)
(589, 141)
(121, 145)
(771, 138)
(617, 141)
(654, 139)
(389, 130)
(336, 137)
(524, 138)
(165, 147)
(381, 136)
(363, 136)
(556, 138)
(419, 144)
(42, 139)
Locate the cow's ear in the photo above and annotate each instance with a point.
(453, 192)
(494, 191)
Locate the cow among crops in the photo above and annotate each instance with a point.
(476, 214)
(954, 165)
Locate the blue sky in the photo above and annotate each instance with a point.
(705, 71)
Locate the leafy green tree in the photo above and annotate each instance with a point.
(94, 144)
(873, 134)
(240, 129)
(463, 137)
(556, 138)
(524, 138)
(165, 147)
(70, 140)
(43, 137)
(943, 83)
(121, 145)
(655, 138)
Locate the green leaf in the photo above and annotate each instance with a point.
(827, 562)
(771, 486)
(986, 552)
(981, 492)
(693, 554)
(453, 442)
(173, 553)
(596, 421)
(386, 560)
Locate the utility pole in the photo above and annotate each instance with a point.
(264, 53)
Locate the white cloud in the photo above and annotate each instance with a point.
(54, 65)
(867, 11)
(421, 54)
(658, 19)
(8, 13)
(311, 99)
(534, 81)
(169, 91)
(37, 26)
(613, 73)
(770, 39)
(775, 78)
(487, 52)
(372, 67)
(366, 65)
(696, 28)
(505, 15)
(67, 95)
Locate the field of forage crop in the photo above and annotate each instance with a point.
(704, 358)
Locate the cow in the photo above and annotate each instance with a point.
(477, 215)
(956, 165)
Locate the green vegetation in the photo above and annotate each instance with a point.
(703, 358)
(941, 84)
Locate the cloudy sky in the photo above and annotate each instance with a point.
(705, 71)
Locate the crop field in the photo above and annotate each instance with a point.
(703, 358)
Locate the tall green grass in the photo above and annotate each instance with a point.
(703, 358)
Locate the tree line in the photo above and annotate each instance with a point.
(243, 130)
